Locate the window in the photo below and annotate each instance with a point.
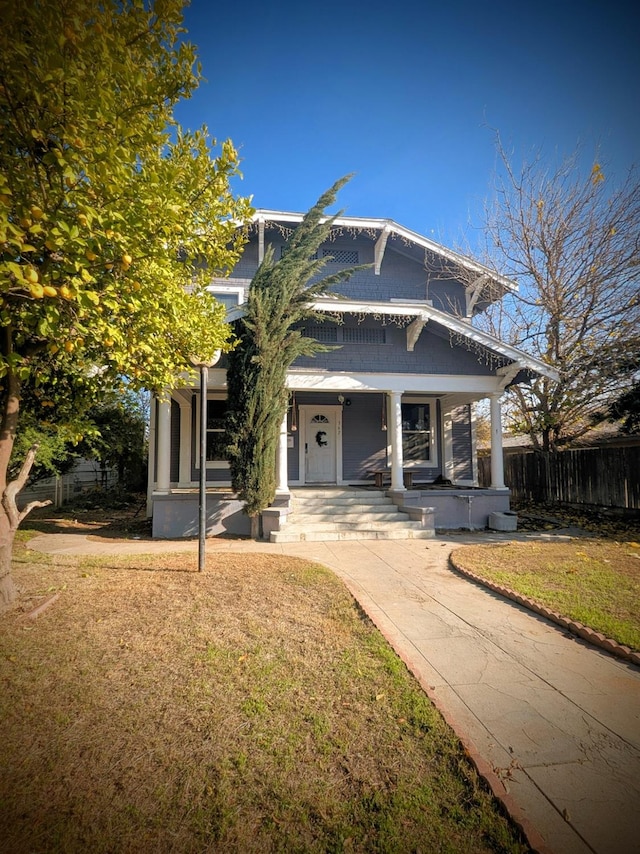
(285, 249)
(216, 433)
(417, 432)
(229, 295)
(323, 333)
(363, 335)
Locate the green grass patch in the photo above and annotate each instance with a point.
(596, 582)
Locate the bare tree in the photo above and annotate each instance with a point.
(572, 242)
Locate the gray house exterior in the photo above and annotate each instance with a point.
(391, 406)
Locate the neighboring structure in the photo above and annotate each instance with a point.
(391, 406)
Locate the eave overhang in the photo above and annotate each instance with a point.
(519, 361)
(387, 229)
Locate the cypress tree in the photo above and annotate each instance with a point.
(280, 296)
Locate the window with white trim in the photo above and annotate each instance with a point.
(216, 430)
(217, 440)
(229, 295)
(418, 432)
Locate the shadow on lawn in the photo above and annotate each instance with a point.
(125, 522)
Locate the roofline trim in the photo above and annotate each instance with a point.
(449, 321)
(264, 215)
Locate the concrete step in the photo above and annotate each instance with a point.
(326, 514)
(289, 536)
(342, 501)
(344, 525)
(364, 514)
(336, 492)
(377, 511)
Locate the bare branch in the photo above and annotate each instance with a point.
(570, 240)
(32, 506)
(12, 489)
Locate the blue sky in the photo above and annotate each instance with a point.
(405, 95)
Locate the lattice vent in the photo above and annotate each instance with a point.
(341, 256)
(361, 335)
(324, 334)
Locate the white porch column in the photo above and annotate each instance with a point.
(163, 427)
(497, 464)
(281, 459)
(184, 477)
(397, 484)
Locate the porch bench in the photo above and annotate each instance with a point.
(379, 477)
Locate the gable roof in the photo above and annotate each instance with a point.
(486, 284)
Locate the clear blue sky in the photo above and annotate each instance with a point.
(404, 94)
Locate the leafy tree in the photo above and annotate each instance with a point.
(280, 296)
(571, 241)
(111, 216)
(118, 439)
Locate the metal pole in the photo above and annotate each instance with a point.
(204, 378)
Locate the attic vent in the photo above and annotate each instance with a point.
(324, 334)
(360, 335)
(341, 256)
(346, 334)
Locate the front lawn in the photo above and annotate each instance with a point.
(593, 581)
(250, 708)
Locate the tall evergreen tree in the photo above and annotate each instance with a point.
(280, 296)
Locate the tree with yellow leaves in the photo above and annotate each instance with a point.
(112, 218)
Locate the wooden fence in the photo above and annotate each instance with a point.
(85, 476)
(601, 476)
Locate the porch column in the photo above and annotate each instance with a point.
(184, 477)
(397, 484)
(497, 464)
(281, 459)
(163, 466)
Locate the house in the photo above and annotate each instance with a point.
(388, 413)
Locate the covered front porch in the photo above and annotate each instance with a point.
(411, 436)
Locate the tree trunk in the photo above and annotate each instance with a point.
(10, 518)
(255, 526)
(8, 590)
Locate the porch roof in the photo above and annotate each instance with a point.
(422, 312)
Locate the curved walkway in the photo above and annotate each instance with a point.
(552, 723)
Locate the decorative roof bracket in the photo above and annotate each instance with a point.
(413, 332)
(508, 373)
(473, 292)
(380, 246)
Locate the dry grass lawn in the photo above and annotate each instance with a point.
(251, 708)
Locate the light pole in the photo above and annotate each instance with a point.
(202, 497)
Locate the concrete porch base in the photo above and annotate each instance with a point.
(454, 509)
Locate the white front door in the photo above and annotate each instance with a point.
(321, 443)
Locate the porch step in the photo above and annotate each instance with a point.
(343, 514)
(308, 536)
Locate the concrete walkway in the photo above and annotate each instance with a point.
(551, 722)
